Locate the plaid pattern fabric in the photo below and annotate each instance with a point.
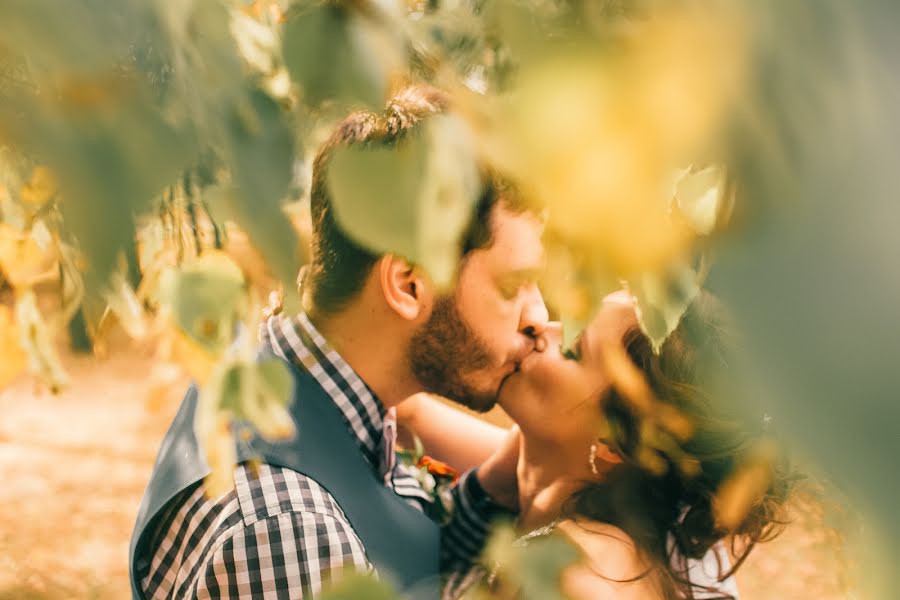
(279, 534)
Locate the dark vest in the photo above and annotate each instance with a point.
(399, 540)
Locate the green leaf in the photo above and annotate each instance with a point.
(662, 298)
(414, 199)
(260, 149)
(111, 158)
(277, 380)
(534, 568)
(542, 563)
(76, 37)
(359, 587)
(206, 297)
(257, 392)
(337, 54)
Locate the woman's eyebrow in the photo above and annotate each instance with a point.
(520, 275)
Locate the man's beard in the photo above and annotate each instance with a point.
(443, 351)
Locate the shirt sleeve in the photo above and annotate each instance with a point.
(464, 536)
(292, 554)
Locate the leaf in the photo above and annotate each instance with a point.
(698, 196)
(80, 36)
(661, 299)
(258, 392)
(72, 282)
(542, 563)
(237, 391)
(221, 455)
(449, 193)
(22, 261)
(124, 304)
(357, 586)
(13, 360)
(111, 156)
(40, 188)
(194, 358)
(205, 298)
(414, 199)
(166, 388)
(375, 192)
(533, 567)
(336, 53)
(261, 156)
(34, 337)
(256, 41)
(92, 116)
(744, 488)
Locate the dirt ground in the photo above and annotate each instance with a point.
(73, 468)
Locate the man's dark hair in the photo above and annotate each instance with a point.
(339, 266)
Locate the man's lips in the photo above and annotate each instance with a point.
(521, 363)
(528, 362)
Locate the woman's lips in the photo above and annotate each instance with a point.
(529, 361)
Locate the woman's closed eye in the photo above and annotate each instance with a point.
(574, 351)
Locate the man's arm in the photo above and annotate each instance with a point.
(276, 530)
(293, 553)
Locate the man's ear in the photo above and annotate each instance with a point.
(405, 289)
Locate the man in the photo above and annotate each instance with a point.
(373, 332)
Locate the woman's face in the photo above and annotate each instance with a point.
(555, 395)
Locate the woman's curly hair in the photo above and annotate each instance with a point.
(670, 513)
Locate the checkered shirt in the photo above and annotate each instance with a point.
(279, 534)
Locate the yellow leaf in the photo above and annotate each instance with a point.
(166, 387)
(36, 340)
(40, 188)
(124, 304)
(745, 487)
(698, 196)
(12, 359)
(22, 260)
(221, 455)
(194, 358)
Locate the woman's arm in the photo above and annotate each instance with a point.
(450, 435)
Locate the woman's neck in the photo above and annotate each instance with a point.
(548, 475)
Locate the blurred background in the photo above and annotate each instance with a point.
(154, 172)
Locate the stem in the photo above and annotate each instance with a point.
(192, 212)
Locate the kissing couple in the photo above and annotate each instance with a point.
(373, 334)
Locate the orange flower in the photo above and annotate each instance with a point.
(437, 468)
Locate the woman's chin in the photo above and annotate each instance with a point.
(532, 376)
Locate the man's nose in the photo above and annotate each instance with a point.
(534, 317)
(553, 332)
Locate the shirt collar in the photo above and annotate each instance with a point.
(297, 340)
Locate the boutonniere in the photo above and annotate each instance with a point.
(436, 478)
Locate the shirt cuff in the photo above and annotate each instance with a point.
(479, 498)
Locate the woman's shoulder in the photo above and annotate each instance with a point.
(612, 565)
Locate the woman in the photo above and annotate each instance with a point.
(628, 467)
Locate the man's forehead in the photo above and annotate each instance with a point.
(517, 244)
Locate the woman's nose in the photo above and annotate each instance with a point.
(551, 336)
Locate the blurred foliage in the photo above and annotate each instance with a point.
(140, 141)
(352, 587)
(528, 567)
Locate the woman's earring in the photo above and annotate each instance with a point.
(592, 459)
